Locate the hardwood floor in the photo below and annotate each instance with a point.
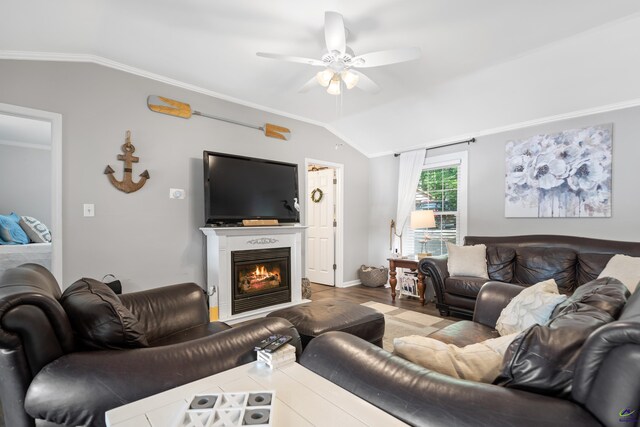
(359, 294)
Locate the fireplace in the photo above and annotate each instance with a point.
(261, 278)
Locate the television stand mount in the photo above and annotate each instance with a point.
(259, 222)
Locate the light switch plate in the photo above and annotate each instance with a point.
(176, 193)
(89, 209)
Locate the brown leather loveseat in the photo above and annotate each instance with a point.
(525, 260)
(49, 378)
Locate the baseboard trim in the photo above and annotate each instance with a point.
(349, 284)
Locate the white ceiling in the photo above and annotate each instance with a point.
(484, 64)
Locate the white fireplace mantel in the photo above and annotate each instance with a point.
(221, 241)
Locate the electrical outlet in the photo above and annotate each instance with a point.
(176, 193)
(89, 209)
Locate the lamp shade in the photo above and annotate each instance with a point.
(334, 85)
(423, 219)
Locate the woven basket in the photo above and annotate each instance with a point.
(374, 277)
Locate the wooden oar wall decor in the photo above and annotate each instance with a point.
(163, 105)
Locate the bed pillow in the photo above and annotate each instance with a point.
(532, 306)
(37, 231)
(624, 268)
(11, 232)
(99, 319)
(476, 362)
(467, 260)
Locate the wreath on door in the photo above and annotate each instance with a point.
(316, 195)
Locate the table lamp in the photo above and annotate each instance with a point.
(423, 219)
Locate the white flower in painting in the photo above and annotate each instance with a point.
(570, 153)
(517, 170)
(586, 175)
(549, 171)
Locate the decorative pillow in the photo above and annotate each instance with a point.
(467, 260)
(10, 231)
(476, 362)
(624, 268)
(543, 358)
(532, 306)
(37, 231)
(99, 319)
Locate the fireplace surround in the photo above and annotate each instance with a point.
(231, 304)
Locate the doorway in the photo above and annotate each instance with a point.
(53, 175)
(324, 213)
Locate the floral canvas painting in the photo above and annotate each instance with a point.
(561, 175)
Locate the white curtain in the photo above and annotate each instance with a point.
(411, 164)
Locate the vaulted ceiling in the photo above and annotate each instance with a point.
(485, 65)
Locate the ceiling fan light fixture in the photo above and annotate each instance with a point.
(350, 79)
(334, 85)
(324, 77)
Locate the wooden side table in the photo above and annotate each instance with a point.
(411, 264)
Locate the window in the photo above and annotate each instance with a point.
(442, 188)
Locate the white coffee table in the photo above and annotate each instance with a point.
(303, 398)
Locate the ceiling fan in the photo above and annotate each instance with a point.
(340, 62)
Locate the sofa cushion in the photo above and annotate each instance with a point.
(500, 263)
(590, 265)
(463, 333)
(190, 334)
(467, 260)
(543, 358)
(99, 319)
(464, 285)
(532, 306)
(535, 265)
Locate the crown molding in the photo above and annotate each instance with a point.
(515, 126)
(99, 60)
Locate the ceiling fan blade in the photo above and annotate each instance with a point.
(386, 57)
(334, 34)
(289, 58)
(365, 83)
(309, 85)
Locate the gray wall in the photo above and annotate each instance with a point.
(145, 238)
(25, 174)
(486, 186)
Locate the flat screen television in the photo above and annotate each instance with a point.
(238, 188)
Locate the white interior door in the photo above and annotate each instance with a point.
(320, 236)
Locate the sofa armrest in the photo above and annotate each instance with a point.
(168, 309)
(419, 396)
(436, 268)
(97, 381)
(492, 298)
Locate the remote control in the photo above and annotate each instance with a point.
(265, 342)
(282, 340)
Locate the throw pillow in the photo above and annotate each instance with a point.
(624, 268)
(543, 358)
(532, 306)
(99, 319)
(467, 260)
(37, 231)
(12, 233)
(476, 362)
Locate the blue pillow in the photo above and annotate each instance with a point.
(10, 231)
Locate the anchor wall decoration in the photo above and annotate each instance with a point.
(127, 185)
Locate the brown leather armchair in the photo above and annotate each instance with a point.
(524, 260)
(48, 379)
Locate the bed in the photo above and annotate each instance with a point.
(15, 255)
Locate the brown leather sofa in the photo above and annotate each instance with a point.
(605, 370)
(48, 379)
(525, 260)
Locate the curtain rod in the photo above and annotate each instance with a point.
(466, 141)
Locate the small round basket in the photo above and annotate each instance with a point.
(373, 277)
